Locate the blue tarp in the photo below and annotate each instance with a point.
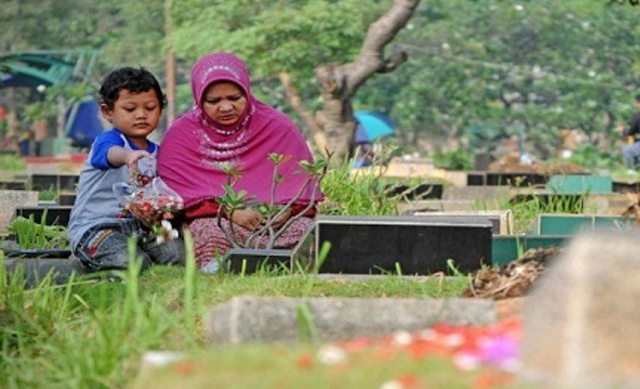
(86, 125)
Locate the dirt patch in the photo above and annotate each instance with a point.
(513, 279)
(513, 164)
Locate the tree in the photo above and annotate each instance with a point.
(338, 84)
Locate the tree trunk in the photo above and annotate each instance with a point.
(338, 84)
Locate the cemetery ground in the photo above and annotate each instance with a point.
(88, 334)
(92, 333)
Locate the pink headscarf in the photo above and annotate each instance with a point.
(194, 146)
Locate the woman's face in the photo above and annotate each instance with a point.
(224, 102)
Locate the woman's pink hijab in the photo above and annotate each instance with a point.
(194, 146)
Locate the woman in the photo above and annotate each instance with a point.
(228, 126)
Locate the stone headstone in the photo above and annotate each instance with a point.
(516, 179)
(12, 199)
(406, 244)
(55, 181)
(247, 261)
(272, 319)
(607, 204)
(476, 178)
(409, 208)
(479, 193)
(415, 192)
(580, 322)
(35, 270)
(581, 184)
(413, 169)
(501, 220)
(66, 199)
(55, 214)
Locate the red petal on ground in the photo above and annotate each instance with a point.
(407, 381)
(493, 379)
(185, 367)
(305, 361)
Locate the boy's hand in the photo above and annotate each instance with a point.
(132, 157)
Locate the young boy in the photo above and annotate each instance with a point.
(132, 101)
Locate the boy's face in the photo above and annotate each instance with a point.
(136, 115)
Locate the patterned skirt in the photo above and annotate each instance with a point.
(211, 241)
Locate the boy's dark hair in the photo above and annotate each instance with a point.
(638, 97)
(131, 79)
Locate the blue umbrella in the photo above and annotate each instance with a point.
(371, 126)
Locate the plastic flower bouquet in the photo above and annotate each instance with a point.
(154, 204)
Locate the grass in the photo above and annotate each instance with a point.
(92, 335)
(12, 162)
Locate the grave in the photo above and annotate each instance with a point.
(516, 179)
(569, 224)
(56, 214)
(626, 186)
(410, 207)
(477, 178)
(416, 168)
(477, 193)
(486, 197)
(273, 319)
(456, 178)
(247, 261)
(66, 199)
(579, 184)
(34, 270)
(612, 204)
(414, 192)
(55, 181)
(14, 184)
(507, 248)
(501, 220)
(10, 200)
(581, 317)
(402, 244)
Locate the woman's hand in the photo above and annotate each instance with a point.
(252, 219)
(280, 220)
(248, 218)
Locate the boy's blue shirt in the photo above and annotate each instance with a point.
(108, 139)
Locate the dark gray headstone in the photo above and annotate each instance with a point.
(415, 192)
(56, 215)
(44, 181)
(247, 261)
(66, 199)
(516, 179)
(411, 244)
(34, 270)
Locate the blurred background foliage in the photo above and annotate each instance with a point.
(536, 69)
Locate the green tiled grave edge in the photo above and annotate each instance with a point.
(558, 224)
(580, 184)
(507, 248)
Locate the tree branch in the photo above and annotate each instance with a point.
(381, 32)
(295, 100)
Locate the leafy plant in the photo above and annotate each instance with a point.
(360, 191)
(232, 201)
(457, 159)
(33, 235)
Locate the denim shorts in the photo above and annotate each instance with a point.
(106, 247)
